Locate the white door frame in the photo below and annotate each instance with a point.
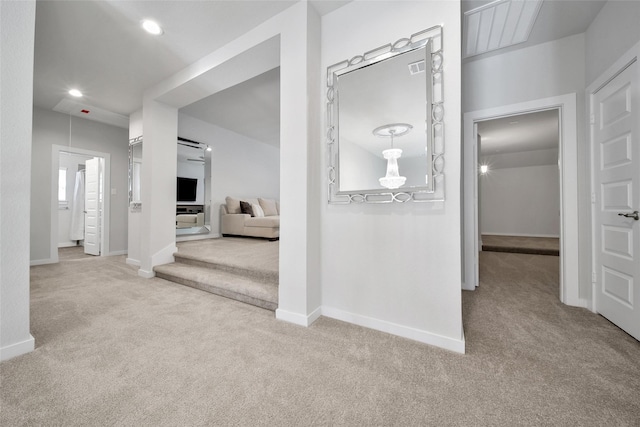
(616, 68)
(106, 184)
(568, 164)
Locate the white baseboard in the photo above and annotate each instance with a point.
(67, 244)
(452, 344)
(42, 261)
(146, 274)
(17, 349)
(187, 238)
(134, 262)
(297, 318)
(115, 253)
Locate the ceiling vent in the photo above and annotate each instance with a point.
(499, 24)
(79, 109)
(417, 67)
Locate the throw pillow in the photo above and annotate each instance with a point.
(233, 205)
(268, 206)
(257, 211)
(245, 208)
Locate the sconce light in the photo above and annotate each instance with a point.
(392, 179)
(484, 169)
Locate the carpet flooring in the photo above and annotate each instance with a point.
(113, 349)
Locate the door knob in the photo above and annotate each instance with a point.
(633, 215)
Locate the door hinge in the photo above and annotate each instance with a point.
(594, 279)
(593, 198)
(592, 119)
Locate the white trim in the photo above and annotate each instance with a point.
(66, 245)
(568, 162)
(297, 318)
(17, 349)
(116, 253)
(186, 238)
(146, 274)
(616, 68)
(452, 344)
(106, 207)
(134, 262)
(43, 261)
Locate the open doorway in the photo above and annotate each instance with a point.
(565, 105)
(79, 203)
(519, 183)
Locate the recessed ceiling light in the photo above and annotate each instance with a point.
(152, 27)
(515, 122)
(75, 92)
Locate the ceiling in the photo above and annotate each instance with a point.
(521, 133)
(99, 47)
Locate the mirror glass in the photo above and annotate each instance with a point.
(372, 112)
(384, 119)
(193, 189)
(135, 169)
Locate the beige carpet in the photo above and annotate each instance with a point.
(113, 349)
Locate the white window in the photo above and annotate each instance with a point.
(62, 188)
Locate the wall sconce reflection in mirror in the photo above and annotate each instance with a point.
(399, 84)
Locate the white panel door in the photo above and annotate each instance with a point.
(616, 160)
(92, 202)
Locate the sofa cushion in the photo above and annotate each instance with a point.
(268, 221)
(233, 205)
(268, 206)
(257, 211)
(245, 208)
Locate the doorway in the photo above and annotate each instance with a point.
(566, 107)
(519, 183)
(64, 156)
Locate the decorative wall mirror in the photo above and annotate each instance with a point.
(135, 170)
(193, 188)
(385, 130)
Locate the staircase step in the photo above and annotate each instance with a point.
(260, 275)
(223, 283)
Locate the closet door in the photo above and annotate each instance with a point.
(92, 201)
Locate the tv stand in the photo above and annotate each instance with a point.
(189, 209)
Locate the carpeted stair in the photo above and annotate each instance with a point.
(252, 286)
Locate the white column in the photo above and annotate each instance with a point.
(159, 167)
(17, 27)
(299, 291)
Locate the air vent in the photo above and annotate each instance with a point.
(499, 24)
(417, 67)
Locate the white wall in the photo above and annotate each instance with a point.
(53, 128)
(359, 168)
(71, 162)
(614, 31)
(241, 166)
(541, 71)
(523, 201)
(397, 267)
(17, 29)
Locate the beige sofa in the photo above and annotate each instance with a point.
(262, 218)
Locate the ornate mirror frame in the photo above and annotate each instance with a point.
(431, 40)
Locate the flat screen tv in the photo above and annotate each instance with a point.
(187, 189)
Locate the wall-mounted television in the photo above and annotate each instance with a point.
(187, 189)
